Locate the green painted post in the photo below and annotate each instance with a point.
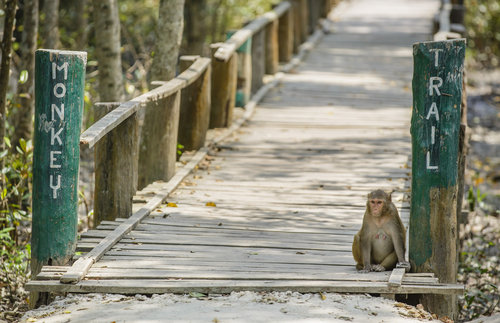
(59, 91)
(435, 130)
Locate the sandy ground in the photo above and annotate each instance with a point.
(236, 307)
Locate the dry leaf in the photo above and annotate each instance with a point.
(323, 297)
(212, 204)
(171, 204)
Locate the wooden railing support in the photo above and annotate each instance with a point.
(223, 91)
(271, 50)
(59, 92)
(115, 157)
(435, 129)
(158, 149)
(195, 103)
(258, 58)
(286, 36)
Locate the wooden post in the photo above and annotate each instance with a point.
(223, 90)
(272, 52)
(435, 129)
(304, 5)
(116, 159)
(258, 56)
(195, 109)
(59, 91)
(158, 150)
(297, 24)
(244, 80)
(314, 13)
(286, 36)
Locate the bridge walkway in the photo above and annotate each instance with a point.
(275, 205)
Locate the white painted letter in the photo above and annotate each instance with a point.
(55, 136)
(429, 162)
(433, 135)
(433, 110)
(436, 55)
(60, 112)
(435, 86)
(64, 66)
(63, 88)
(53, 159)
(55, 187)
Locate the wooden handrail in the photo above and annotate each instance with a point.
(444, 31)
(228, 48)
(109, 122)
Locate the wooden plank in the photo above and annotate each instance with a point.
(82, 265)
(225, 287)
(243, 34)
(396, 278)
(93, 134)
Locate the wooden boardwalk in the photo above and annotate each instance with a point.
(276, 205)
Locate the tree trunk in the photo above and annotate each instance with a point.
(81, 23)
(107, 29)
(196, 27)
(168, 39)
(50, 24)
(8, 29)
(23, 115)
(161, 118)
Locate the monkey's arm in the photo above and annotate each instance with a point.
(399, 240)
(366, 252)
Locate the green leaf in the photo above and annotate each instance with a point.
(7, 141)
(22, 143)
(197, 295)
(23, 77)
(4, 193)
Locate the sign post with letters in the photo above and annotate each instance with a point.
(435, 129)
(59, 93)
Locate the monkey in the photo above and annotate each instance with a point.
(380, 244)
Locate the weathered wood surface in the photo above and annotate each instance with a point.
(114, 187)
(275, 207)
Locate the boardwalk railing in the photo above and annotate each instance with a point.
(202, 96)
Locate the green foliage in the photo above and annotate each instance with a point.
(482, 21)
(15, 196)
(15, 199)
(474, 197)
(479, 269)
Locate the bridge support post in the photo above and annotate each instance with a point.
(258, 57)
(59, 92)
(435, 129)
(272, 58)
(116, 158)
(285, 37)
(195, 108)
(223, 90)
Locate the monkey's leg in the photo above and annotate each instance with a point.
(390, 261)
(356, 252)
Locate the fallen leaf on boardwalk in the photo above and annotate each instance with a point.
(171, 204)
(300, 253)
(323, 297)
(31, 319)
(197, 295)
(212, 204)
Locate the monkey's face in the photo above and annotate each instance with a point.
(376, 206)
